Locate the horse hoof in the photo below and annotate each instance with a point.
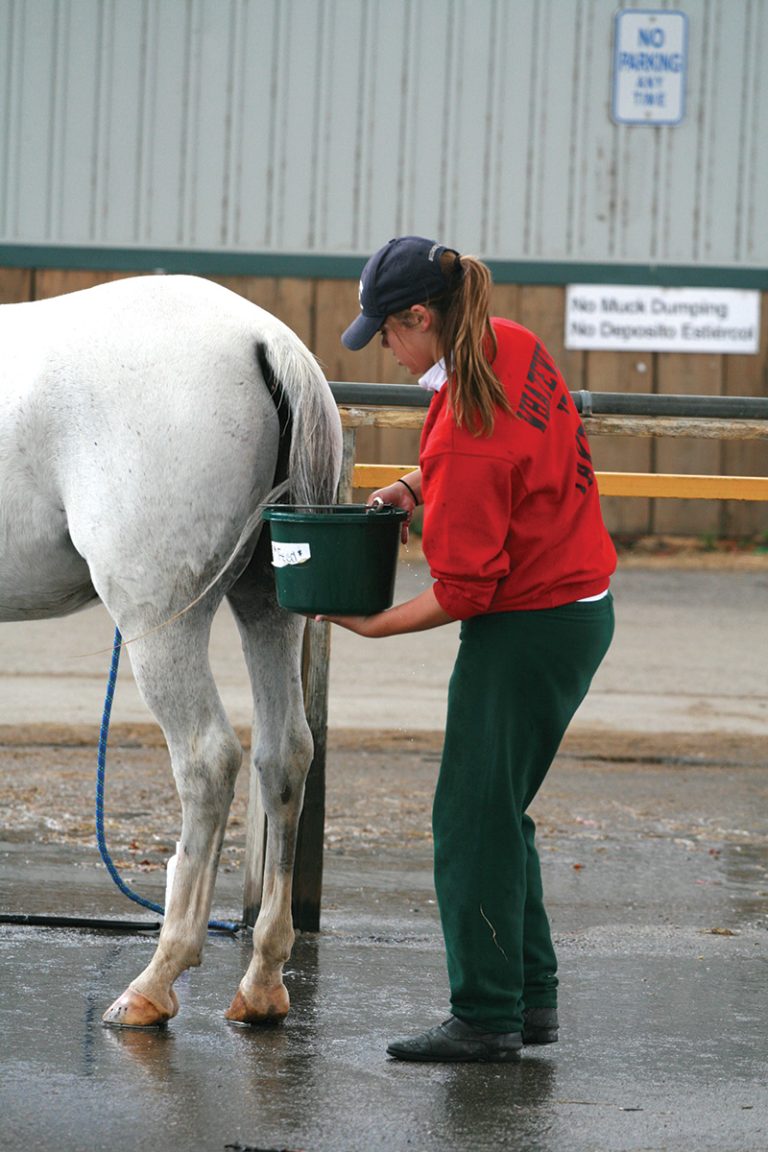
(133, 1010)
(269, 1007)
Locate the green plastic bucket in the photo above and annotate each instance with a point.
(335, 559)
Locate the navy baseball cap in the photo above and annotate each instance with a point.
(404, 272)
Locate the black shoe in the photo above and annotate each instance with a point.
(540, 1026)
(456, 1041)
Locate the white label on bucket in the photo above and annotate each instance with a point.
(286, 555)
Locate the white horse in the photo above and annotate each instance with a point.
(142, 423)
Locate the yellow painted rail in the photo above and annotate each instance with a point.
(679, 487)
(653, 484)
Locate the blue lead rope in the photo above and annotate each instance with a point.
(213, 925)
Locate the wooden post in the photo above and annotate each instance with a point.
(255, 847)
(308, 869)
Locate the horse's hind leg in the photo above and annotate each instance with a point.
(282, 752)
(172, 670)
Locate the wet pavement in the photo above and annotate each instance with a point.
(663, 967)
(654, 842)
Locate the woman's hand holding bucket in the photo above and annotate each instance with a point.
(404, 493)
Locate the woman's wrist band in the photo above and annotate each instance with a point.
(407, 485)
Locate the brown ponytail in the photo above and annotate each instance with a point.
(467, 342)
(468, 338)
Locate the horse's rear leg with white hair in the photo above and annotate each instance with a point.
(282, 753)
(172, 670)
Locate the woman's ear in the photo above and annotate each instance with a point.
(424, 318)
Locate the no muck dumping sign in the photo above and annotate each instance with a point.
(623, 317)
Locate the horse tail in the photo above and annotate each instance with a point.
(309, 457)
(309, 454)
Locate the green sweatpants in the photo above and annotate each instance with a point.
(518, 679)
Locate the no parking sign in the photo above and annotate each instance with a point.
(649, 66)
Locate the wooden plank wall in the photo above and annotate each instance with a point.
(319, 310)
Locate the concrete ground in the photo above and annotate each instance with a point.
(653, 830)
(689, 656)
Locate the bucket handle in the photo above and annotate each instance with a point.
(378, 505)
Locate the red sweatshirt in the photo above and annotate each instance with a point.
(512, 521)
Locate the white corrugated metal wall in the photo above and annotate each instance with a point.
(327, 125)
